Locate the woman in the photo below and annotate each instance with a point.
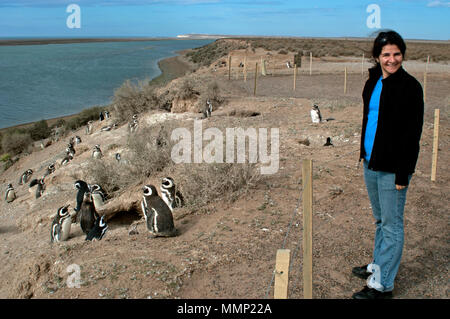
(391, 130)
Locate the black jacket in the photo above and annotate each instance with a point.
(400, 120)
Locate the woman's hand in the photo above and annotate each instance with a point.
(399, 187)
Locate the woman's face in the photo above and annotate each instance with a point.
(390, 59)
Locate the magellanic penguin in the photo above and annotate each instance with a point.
(77, 140)
(158, 215)
(25, 177)
(107, 116)
(10, 194)
(97, 152)
(316, 117)
(50, 169)
(40, 187)
(99, 229)
(67, 159)
(89, 127)
(82, 188)
(88, 214)
(328, 143)
(170, 195)
(60, 230)
(98, 195)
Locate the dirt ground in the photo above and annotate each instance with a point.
(228, 250)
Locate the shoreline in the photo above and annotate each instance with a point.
(171, 68)
(43, 41)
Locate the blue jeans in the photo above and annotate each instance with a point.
(388, 205)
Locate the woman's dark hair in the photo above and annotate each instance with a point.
(387, 37)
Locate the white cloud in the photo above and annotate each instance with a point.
(438, 3)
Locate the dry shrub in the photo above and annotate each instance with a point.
(15, 143)
(130, 99)
(109, 174)
(150, 149)
(204, 183)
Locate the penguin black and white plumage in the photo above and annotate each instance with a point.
(82, 188)
(169, 194)
(158, 215)
(61, 224)
(328, 143)
(97, 152)
(70, 149)
(316, 117)
(99, 230)
(50, 169)
(101, 116)
(77, 140)
(107, 116)
(67, 159)
(106, 128)
(117, 156)
(10, 194)
(89, 127)
(25, 176)
(98, 195)
(40, 187)
(87, 214)
(133, 126)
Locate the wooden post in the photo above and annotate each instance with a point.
(425, 80)
(229, 67)
(256, 75)
(245, 69)
(307, 228)
(345, 80)
(435, 145)
(282, 274)
(310, 63)
(295, 75)
(362, 65)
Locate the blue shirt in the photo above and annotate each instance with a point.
(372, 120)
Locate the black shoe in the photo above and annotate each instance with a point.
(361, 272)
(370, 293)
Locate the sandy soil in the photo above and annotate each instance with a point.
(228, 250)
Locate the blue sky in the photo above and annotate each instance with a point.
(413, 19)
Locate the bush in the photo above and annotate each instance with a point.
(16, 142)
(39, 130)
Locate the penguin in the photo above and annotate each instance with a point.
(98, 231)
(101, 117)
(61, 225)
(316, 117)
(89, 128)
(87, 214)
(328, 143)
(158, 215)
(106, 114)
(133, 126)
(82, 188)
(70, 149)
(170, 195)
(118, 157)
(50, 169)
(98, 195)
(25, 177)
(40, 188)
(10, 194)
(77, 140)
(66, 159)
(97, 152)
(106, 128)
(135, 116)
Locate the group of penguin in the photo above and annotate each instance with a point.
(157, 211)
(93, 226)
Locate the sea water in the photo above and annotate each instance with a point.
(47, 81)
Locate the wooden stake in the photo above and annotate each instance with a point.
(229, 67)
(310, 63)
(282, 274)
(245, 69)
(362, 65)
(345, 80)
(256, 75)
(435, 145)
(425, 80)
(295, 75)
(307, 228)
